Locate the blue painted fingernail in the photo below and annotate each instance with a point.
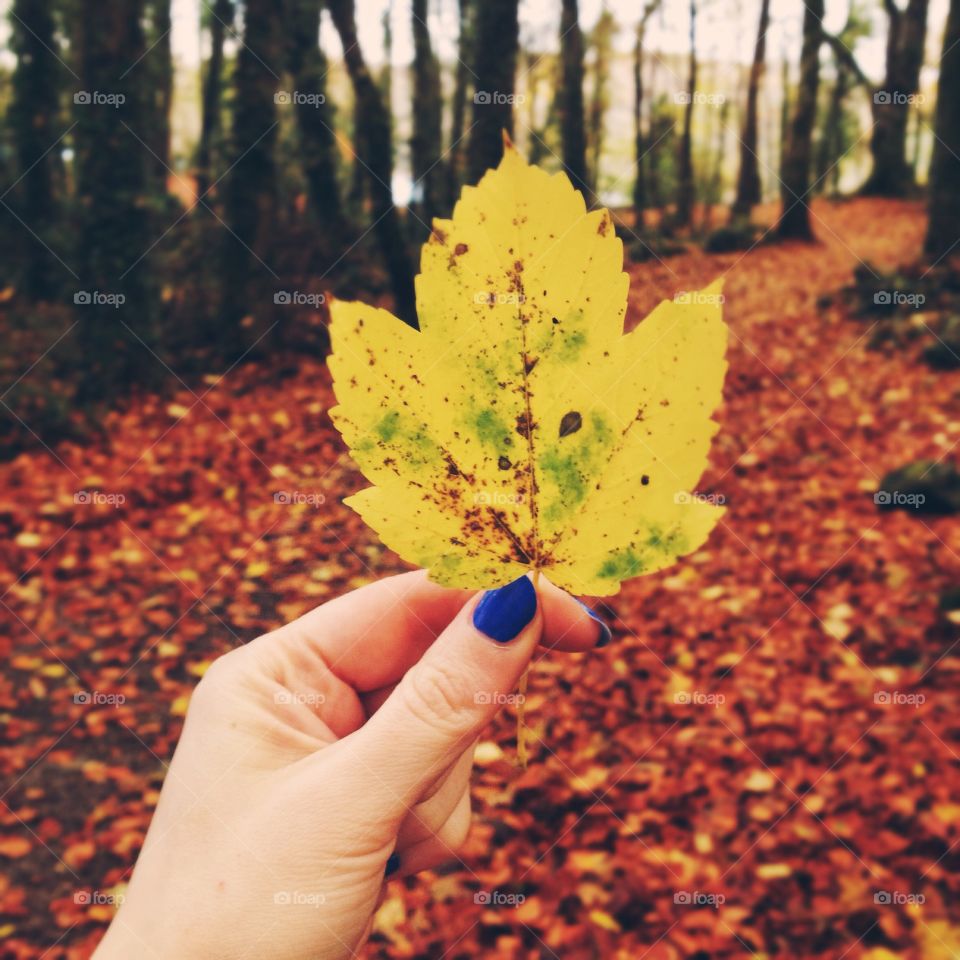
(502, 613)
(393, 865)
(605, 635)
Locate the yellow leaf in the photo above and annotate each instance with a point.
(759, 781)
(28, 539)
(179, 706)
(177, 410)
(487, 751)
(773, 871)
(520, 427)
(258, 568)
(605, 921)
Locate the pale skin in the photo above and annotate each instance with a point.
(316, 756)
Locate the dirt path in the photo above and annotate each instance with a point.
(729, 743)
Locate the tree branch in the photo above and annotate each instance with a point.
(842, 52)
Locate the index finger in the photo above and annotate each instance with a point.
(371, 636)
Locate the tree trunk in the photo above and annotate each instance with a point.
(602, 39)
(784, 109)
(639, 144)
(794, 222)
(314, 113)
(459, 105)
(377, 157)
(115, 305)
(639, 141)
(748, 181)
(831, 141)
(891, 175)
(159, 62)
(570, 96)
(221, 16)
(251, 197)
(685, 184)
(495, 65)
(35, 127)
(426, 144)
(943, 229)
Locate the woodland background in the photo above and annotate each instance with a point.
(765, 762)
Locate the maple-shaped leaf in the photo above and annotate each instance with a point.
(520, 427)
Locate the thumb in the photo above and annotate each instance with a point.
(446, 698)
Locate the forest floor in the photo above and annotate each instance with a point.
(765, 761)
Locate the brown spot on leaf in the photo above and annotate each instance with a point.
(504, 463)
(529, 363)
(460, 249)
(644, 480)
(570, 423)
(523, 426)
(438, 236)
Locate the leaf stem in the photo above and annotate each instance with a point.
(522, 691)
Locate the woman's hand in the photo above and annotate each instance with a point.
(323, 756)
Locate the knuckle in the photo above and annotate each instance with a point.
(440, 698)
(218, 677)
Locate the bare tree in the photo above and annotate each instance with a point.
(376, 155)
(601, 40)
(112, 187)
(426, 142)
(794, 222)
(495, 65)
(318, 145)
(220, 18)
(35, 125)
(251, 189)
(640, 142)
(892, 174)
(748, 181)
(943, 229)
(570, 96)
(458, 110)
(685, 185)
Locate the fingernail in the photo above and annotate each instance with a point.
(502, 613)
(393, 865)
(605, 635)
